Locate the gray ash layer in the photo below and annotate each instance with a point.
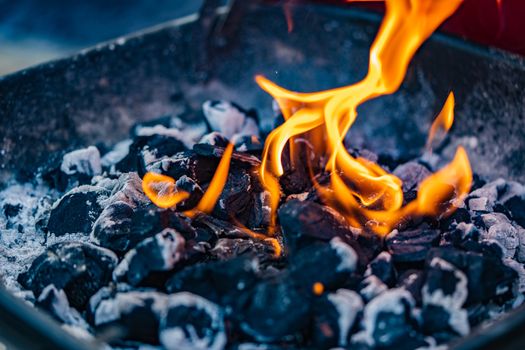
(84, 244)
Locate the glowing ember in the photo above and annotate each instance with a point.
(366, 194)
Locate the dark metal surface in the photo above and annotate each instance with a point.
(23, 328)
(98, 94)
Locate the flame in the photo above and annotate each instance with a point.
(208, 200)
(161, 190)
(443, 122)
(364, 192)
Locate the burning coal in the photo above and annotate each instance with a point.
(366, 194)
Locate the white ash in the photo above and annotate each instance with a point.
(520, 254)
(212, 138)
(188, 136)
(119, 151)
(60, 304)
(507, 236)
(393, 301)
(371, 287)
(112, 309)
(491, 219)
(346, 253)
(19, 249)
(348, 304)
(228, 119)
(84, 161)
(520, 270)
(175, 338)
(453, 303)
(127, 189)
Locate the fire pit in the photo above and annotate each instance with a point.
(141, 205)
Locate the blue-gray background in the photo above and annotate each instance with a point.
(34, 31)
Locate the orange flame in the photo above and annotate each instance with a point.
(208, 200)
(161, 190)
(365, 193)
(443, 121)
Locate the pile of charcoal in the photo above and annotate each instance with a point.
(113, 265)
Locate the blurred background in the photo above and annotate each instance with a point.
(35, 31)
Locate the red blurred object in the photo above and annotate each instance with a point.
(498, 23)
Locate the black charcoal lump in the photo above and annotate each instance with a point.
(275, 310)
(80, 269)
(219, 281)
(371, 286)
(82, 163)
(158, 253)
(334, 318)
(214, 138)
(383, 268)
(229, 119)
(411, 245)
(304, 222)
(55, 302)
(77, 210)
(386, 319)
(483, 268)
(135, 314)
(190, 322)
(444, 294)
(331, 264)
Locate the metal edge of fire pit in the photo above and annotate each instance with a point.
(22, 327)
(46, 331)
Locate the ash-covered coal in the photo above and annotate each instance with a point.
(88, 247)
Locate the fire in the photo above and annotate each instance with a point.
(207, 203)
(161, 190)
(365, 193)
(443, 121)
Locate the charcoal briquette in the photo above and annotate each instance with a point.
(214, 138)
(158, 253)
(192, 322)
(443, 295)
(228, 248)
(304, 222)
(197, 167)
(237, 158)
(371, 286)
(80, 269)
(411, 174)
(412, 281)
(195, 192)
(273, 311)
(507, 236)
(235, 198)
(77, 210)
(411, 245)
(387, 318)
(481, 268)
(334, 318)
(330, 264)
(134, 315)
(121, 227)
(383, 268)
(55, 303)
(248, 143)
(218, 281)
(230, 119)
